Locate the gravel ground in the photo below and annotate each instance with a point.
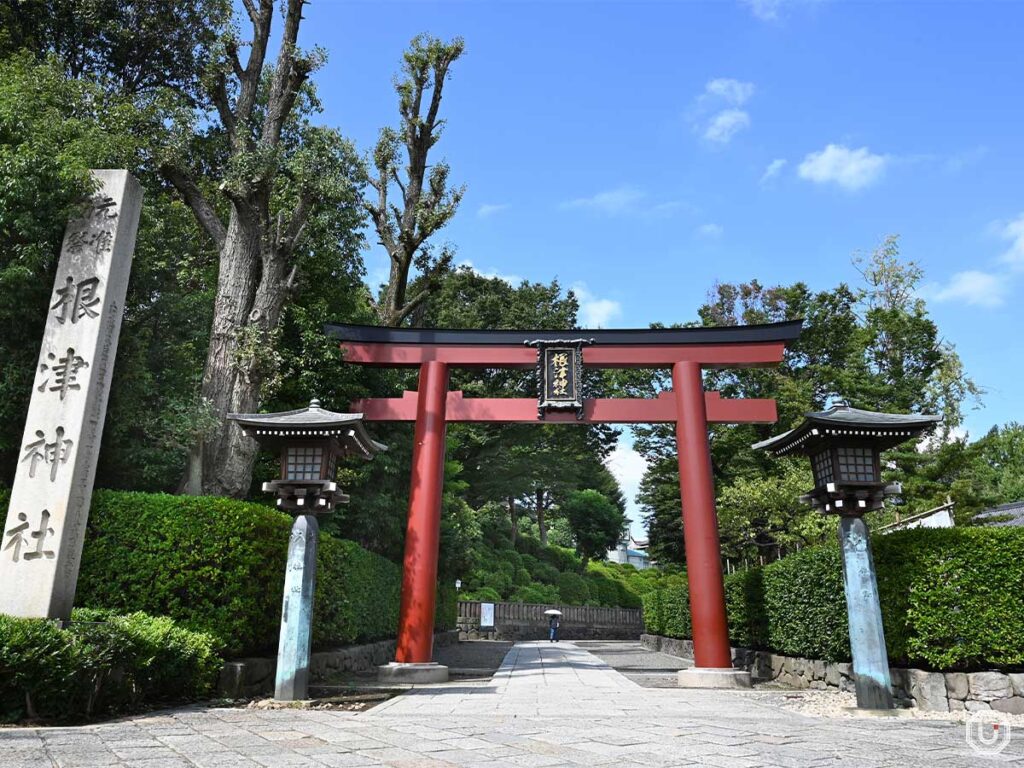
(836, 704)
(644, 667)
(473, 655)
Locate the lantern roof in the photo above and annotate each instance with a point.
(844, 422)
(310, 423)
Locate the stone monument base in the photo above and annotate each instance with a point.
(396, 672)
(708, 677)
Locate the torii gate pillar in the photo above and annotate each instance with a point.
(712, 656)
(423, 535)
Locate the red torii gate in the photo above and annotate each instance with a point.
(685, 350)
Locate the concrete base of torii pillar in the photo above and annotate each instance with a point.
(412, 673)
(709, 677)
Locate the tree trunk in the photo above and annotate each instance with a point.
(250, 297)
(514, 518)
(542, 525)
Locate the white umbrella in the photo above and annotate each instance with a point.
(552, 612)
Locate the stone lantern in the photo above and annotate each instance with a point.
(844, 446)
(310, 441)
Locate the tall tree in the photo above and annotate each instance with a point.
(872, 345)
(129, 47)
(596, 523)
(425, 201)
(275, 172)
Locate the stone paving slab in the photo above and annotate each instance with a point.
(548, 706)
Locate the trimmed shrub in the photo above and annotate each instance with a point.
(806, 606)
(446, 610)
(483, 595)
(210, 563)
(951, 599)
(536, 593)
(675, 609)
(100, 668)
(217, 565)
(572, 588)
(744, 606)
(654, 614)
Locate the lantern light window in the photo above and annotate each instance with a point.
(856, 464)
(822, 468)
(304, 462)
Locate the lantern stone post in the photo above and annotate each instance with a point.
(844, 445)
(310, 441)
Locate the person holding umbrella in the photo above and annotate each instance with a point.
(553, 623)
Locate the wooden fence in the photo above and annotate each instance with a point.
(578, 615)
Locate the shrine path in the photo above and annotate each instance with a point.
(548, 705)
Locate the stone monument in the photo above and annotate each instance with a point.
(49, 507)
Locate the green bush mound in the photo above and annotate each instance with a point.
(217, 565)
(532, 572)
(951, 599)
(92, 669)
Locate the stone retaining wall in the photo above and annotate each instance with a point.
(243, 678)
(937, 691)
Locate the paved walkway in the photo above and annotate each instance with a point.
(548, 705)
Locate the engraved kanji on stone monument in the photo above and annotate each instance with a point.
(77, 300)
(51, 453)
(49, 505)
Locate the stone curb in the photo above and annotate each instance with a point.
(932, 691)
(244, 678)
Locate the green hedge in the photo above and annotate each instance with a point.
(951, 599)
(217, 565)
(103, 668)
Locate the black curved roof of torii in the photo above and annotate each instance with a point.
(726, 334)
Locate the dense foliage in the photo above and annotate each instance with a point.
(101, 664)
(951, 599)
(217, 565)
(871, 344)
(500, 568)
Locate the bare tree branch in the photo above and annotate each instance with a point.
(290, 73)
(195, 200)
(251, 10)
(403, 229)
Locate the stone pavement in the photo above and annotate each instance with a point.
(548, 705)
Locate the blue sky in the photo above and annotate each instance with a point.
(644, 151)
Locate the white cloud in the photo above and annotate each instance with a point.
(962, 160)
(772, 10)
(710, 230)
(773, 170)
(595, 312)
(670, 207)
(490, 274)
(851, 169)
(717, 115)
(613, 201)
(766, 10)
(726, 124)
(971, 288)
(1014, 233)
(730, 90)
(489, 209)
